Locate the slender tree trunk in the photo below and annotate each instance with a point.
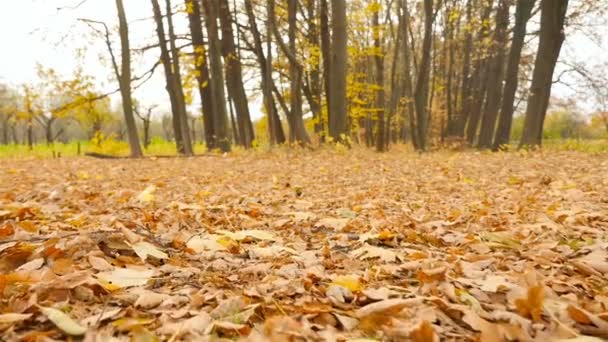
(234, 76)
(315, 72)
(275, 129)
(5, 128)
(553, 14)
(394, 81)
(48, 129)
(171, 84)
(210, 9)
(379, 63)
(337, 80)
(297, 129)
(465, 95)
(522, 15)
(124, 80)
(408, 88)
(326, 56)
(495, 77)
(146, 124)
(202, 76)
(14, 134)
(480, 77)
(422, 82)
(179, 90)
(30, 133)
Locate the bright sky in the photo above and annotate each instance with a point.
(35, 31)
(40, 33)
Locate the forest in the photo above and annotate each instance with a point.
(306, 170)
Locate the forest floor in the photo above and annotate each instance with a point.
(294, 246)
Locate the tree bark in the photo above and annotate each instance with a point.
(234, 76)
(202, 65)
(479, 80)
(326, 56)
(314, 79)
(553, 14)
(179, 90)
(408, 87)
(124, 81)
(338, 65)
(465, 95)
(276, 135)
(495, 77)
(422, 82)
(379, 63)
(522, 16)
(295, 120)
(210, 9)
(171, 84)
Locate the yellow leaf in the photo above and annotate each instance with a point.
(130, 323)
(147, 195)
(63, 321)
(351, 282)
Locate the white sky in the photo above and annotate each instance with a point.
(34, 31)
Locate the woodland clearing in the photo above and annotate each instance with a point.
(294, 245)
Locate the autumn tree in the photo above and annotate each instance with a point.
(551, 38)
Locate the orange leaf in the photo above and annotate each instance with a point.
(7, 230)
(578, 316)
(424, 333)
(63, 266)
(532, 306)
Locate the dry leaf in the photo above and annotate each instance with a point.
(63, 321)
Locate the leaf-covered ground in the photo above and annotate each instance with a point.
(295, 246)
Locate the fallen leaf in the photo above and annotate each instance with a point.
(371, 252)
(144, 249)
(13, 317)
(124, 277)
(63, 321)
(147, 195)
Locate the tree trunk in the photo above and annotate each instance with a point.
(48, 130)
(465, 95)
(146, 124)
(379, 63)
(480, 77)
(179, 90)
(495, 76)
(553, 14)
(210, 9)
(30, 133)
(314, 81)
(338, 65)
(202, 76)
(408, 88)
(5, 131)
(394, 81)
(522, 15)
(124, 81)
(326, 55)
(422, 82)
(171, 84)
(234, 76)
(275, 129)
(295, 120)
